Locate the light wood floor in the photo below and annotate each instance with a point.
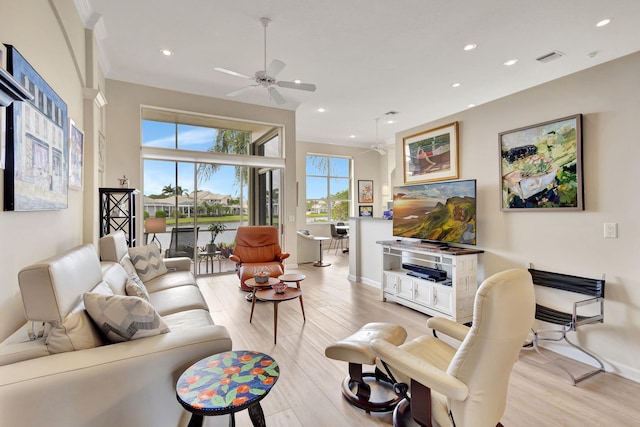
(308, 391)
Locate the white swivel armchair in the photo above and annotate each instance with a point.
(467, 386)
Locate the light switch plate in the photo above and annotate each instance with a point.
(610, 230)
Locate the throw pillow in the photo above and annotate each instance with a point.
(128, 267)
(76, 331)
(147, 261)
(135, 288)
(123, 318)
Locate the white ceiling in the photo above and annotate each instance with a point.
(367, 57)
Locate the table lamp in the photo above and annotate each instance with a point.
(156, 225)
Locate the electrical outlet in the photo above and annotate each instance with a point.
(610, 230)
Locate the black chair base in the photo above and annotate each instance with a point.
(360, 395)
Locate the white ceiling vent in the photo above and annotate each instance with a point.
(551, 56)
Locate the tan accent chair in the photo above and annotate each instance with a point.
(257, 249)
(466, 386)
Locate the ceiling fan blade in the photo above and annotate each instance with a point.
(275, 95)
(275, 67)
(241, 90)
(293, 85)
(233, 73)
(379, 150)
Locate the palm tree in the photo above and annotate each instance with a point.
(170, 190)
(231, 142)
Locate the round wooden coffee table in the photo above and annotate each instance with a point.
(227, 383)
(255, 286)
(276, 298)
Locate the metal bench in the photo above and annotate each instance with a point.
(569, 320)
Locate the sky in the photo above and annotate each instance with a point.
(159, 174)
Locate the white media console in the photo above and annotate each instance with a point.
(451, 298)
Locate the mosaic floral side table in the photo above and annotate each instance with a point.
(227, 383)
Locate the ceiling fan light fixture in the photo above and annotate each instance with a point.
(266, 77)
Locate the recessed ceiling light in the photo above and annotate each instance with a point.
(470, 46)
(166, 52)
(352, 136)
(455, 85)
(510, 62)
(390, 121)
(603, 22)
(471, 105)
(320, 110)
(297, 81)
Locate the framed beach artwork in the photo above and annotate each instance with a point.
(431, 155)
(36, 171)
(365, 210)
(541, 166)
(365, 191)
(76, 156)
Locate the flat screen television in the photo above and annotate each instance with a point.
(436, 212)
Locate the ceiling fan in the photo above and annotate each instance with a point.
(379, 148)
(267, 76)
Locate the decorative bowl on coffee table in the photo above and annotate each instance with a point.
(279, 287)
(262, 277)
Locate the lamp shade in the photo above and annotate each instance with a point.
(155, 225)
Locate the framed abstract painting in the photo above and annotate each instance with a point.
(365, 191)
(76, 156)
(541, 166)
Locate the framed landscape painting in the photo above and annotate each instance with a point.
(36, 170)
(541, 166)
(431, 155)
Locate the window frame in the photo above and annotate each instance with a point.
(329, 201)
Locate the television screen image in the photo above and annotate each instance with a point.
(438, 212)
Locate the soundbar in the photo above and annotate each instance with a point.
(425, 272)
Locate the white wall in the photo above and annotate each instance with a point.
(608, 96)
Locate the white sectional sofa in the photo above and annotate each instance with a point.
(89, 381)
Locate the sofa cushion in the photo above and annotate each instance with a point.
(172, 280)
(188, 319)
(147, 261)
(20, 346)
(124, 318)
(135, 288)
(77, 331)
(177, 299)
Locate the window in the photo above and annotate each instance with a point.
(202, 172)
(328, 180)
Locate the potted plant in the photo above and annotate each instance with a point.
(226, 249)
(215, 228)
